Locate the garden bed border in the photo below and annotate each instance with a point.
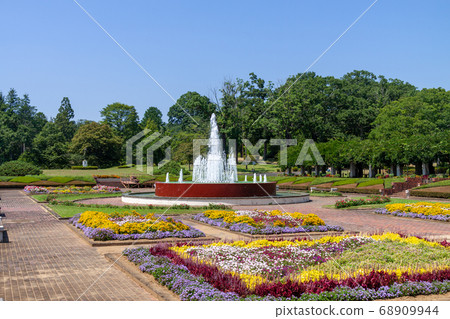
(137, 242)
(278, 236)
(147, 281)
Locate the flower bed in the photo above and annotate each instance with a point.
(131, 225)
(265, 222)
(423, 210)
(71, 189)
(330, 268)
(358, 202)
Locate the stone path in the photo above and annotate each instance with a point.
(46, 261)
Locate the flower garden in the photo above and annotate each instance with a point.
(71, 189)
(330, 268)
(265, 222)
(131, 225)
(361, 201)
(423, 210)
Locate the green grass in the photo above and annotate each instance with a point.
(346, 181)
(5, 178)
(437, 184)
(73, 197)
(24, 179)
(323, 180)
(70, 211)
(371, 182)
(60, 179)
(259, 169)
(287, 180)
(301, 180)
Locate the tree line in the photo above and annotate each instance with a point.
(357, 121)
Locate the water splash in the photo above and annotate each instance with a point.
(215, 168)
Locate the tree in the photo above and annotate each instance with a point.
(19, 124)
(100, 144)
(64, 120)
(182, 146)
(152, 119)
(122, 118)
(190, 111)
(50, 148)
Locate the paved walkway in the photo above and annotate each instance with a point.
(46, 261)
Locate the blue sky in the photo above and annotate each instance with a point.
(51, 49)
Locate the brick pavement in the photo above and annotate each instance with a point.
(46, 261)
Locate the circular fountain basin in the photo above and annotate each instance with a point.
(187, 189)
(279, 199)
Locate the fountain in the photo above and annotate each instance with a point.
(215, 180)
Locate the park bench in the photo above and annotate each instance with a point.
(133, 182)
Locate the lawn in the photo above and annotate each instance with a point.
(72, 197)
(70, 211)
(259, 169)
(371, 182)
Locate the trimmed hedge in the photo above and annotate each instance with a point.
(435, 184)
(19, 168)
(430, 193)
(360, 190)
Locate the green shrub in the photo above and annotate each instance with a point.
(24, 179)
(19, 168)
(60, 179)
(430, 193)
(84, 167)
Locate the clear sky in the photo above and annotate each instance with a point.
(51, 49)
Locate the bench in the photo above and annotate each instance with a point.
(133, 182)
(3, 233)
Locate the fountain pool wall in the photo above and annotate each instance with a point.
(280, 199)
(187, 189)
